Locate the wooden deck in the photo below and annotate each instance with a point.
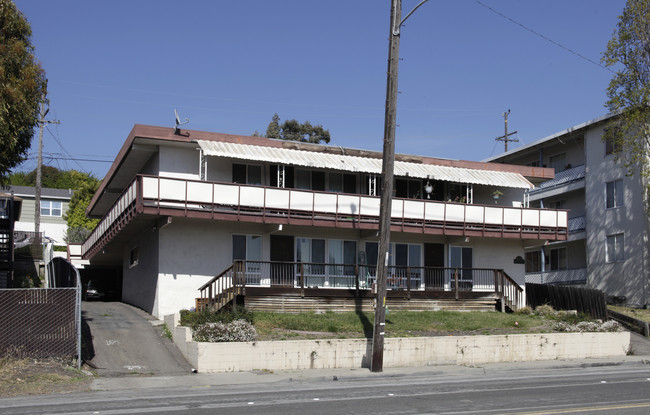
(321, 300)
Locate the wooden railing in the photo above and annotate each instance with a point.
(301, 275)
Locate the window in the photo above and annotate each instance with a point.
(246, 247)
(558, 259)
(311, 251)
(615, 248)
(461, 257)
(310, 180)
(610, 145)
(559, 204)
(50, 208)
(614, 192)
(246, 174)
(134, 257)
(533, 261)
(533, 163)
(408, 188)
(342, 183)
(558, 162)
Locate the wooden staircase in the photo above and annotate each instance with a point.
(221, 290)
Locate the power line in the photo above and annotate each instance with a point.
(542, 36)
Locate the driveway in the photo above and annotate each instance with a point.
(119, 339)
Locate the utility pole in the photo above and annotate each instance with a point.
(505, 138)
(39, 164)
(385, 207)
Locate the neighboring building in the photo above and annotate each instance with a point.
(10, 207)
(179, 208)
(54, 205)
(608, 246)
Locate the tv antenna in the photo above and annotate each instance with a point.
(178, 123)
(505, 138)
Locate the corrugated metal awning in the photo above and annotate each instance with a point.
(361, 164)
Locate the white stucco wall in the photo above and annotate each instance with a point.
(179, 162)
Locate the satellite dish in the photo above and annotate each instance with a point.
(178, 123)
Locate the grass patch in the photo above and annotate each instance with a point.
(166, 332)
(637, 313)
(276, 326)
(31, 377)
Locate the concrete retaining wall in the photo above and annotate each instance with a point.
(398, 352)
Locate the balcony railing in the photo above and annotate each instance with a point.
(562, 178)
(173, 196)
(563, 276)
(301, 275)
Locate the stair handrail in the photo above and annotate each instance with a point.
(217, 285)
(511, 292)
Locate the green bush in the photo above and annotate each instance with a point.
(193, 319)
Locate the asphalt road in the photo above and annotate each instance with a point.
(620, 389)
(120, 339)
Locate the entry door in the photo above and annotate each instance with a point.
(282, 274)
(434, 261)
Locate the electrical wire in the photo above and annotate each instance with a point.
(542, 36)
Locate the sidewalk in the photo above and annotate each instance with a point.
(640, 347)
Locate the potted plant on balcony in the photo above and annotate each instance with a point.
(496, 194)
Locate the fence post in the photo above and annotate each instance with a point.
(456, 282)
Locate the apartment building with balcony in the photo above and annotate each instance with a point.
(607, 245)
(181, 209)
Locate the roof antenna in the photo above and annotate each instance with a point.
(178, 122)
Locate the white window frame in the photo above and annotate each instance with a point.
(615, 188)
(616, 243)
(48, 207)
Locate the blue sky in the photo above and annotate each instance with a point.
(229, 65)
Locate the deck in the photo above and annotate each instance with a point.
(300, 287)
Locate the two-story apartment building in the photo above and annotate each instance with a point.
(607, 247)
(53, 207)
(178, 208)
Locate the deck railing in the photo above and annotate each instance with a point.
(302, 275)
(184, 197)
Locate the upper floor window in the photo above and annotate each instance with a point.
(342, 183)
(50, 208)
(610, 145)
(247, 174)
(614, 248)
(534, 163)
(310, 180)
(558, 162)
(614, 194)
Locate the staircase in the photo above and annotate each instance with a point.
(221, 290)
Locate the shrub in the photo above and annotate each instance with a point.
(193, 319)
(588, 326)
(545, 310)
(525, 310)
(235, 331)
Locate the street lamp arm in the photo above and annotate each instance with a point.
(396, 28)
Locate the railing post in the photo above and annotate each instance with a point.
(302, 280)
(356, 277)
(503, 292)
(456, 282)
(408, 282)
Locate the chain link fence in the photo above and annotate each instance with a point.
(43, 322)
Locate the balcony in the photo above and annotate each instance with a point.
(151, 195)
(564, 181)
(564, 276)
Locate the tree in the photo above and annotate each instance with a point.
(295, 131)
(273, 130)
(23, 87)
(629, 90)
(79, 225)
